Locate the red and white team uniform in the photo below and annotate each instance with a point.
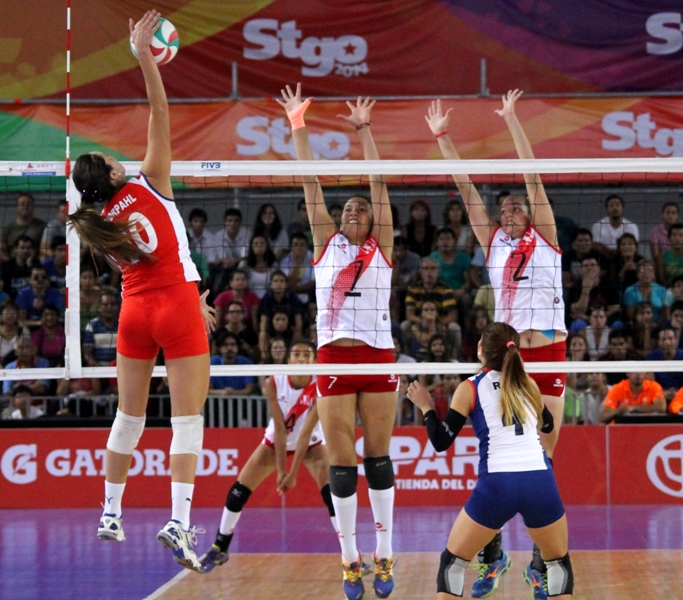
(155, 292)
(526, 276)
(295, 406)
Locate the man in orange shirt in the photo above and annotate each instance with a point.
(676, 406)
(633, 394)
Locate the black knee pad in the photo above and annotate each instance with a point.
(451, 577)
(343, 481)
(560, 576)
(327, 498)
(379, 472)
(237, 497)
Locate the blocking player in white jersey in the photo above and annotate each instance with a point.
(141, 229)
(524, 263)
(353, 284)
(514, 475)
(294, 429)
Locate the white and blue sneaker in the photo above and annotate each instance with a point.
(181, 543)
(111, 528)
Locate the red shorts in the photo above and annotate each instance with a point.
(270, 444)
(550, 384)
(168, 317)
(341, 385)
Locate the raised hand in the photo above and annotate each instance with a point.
(437, 121)
(291, 101)
(509, 100)
(360, 112)
(141, 33)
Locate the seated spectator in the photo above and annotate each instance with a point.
(419, 231)
(672, 259)
(279, 326)
(429, 288)
(99, 338)
(624, 268)
(16, 271)
(232, 242)
(276, 355)
(279, 298)
(671, 382)
(486, 299)
(56, 227)
(269, 225)
(454, 268)
(302, 225)
(609, 229)
(646, 290)
(676, 321)
(443, 394)
(582, 247)
(566, 228)
(21, 407)
(247, 338)
(200, 239)
(55, 265)
(428, 326)
(238, 292)
(676, 405)
(27, 359)
(89, 293)
(335, 210)
(399, 355)
(577, 350)
(597, 332)
(455, 219)
(477, 321)
(437, 352)
(635, 394)
(34, 297)
(406, 265)
(50, 339)
(25, 224)
(659, 236)
(259, 264)
(589, 292)
(479, 273)
(73, 390)
(644, 329)
(10, 332)
(298, 267)
(231, 385)
(674, 293)
(619, 350)
(591, 399)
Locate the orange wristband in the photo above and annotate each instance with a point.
(296, 117)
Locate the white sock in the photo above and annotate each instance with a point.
(335, 524)
(113, 494)
(229, 521)
(382, 502)
(346, 509)
(181, 502)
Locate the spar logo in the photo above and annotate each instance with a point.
(640, 130)
(666, 28)
(263, 135)
(665, 466)
(344, 55)
(18, 463)
(418, 466)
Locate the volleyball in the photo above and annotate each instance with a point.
(165, 43)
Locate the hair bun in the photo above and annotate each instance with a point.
(90, 196)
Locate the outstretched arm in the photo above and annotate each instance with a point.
(542, 217)
(383, 228)
(322, 225)
(157, 163)
(482, 224)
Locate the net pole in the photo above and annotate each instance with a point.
(72, 322)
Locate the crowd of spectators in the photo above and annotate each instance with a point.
(623, 299)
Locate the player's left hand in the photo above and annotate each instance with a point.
(509, 100)
(208, 312)
(288, 483)
(360, 112)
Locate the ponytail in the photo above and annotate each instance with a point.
(517, 391)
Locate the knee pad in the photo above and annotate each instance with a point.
(327, 498)
(125, 433)
(560, 576)
(188, 434)
(451, 577)
(237, 497)
(379, 472)
(343, 481)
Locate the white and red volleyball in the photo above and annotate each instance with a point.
(165, 43)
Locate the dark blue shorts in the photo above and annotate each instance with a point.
(498, 497)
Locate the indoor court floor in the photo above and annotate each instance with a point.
(619, 553)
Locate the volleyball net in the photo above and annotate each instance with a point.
(215, 190)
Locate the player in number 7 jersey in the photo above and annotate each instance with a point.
(524, 263)
(353, 285)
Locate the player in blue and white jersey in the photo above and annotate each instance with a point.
(506, 411)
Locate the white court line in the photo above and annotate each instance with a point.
(168, 585)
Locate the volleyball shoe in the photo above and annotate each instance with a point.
(537, 581)
(353, 584)
(384, 576)
(489, 576)
(111, 528)
(215, 557)
(181, 543)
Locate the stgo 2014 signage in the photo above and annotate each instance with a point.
(46, 468)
